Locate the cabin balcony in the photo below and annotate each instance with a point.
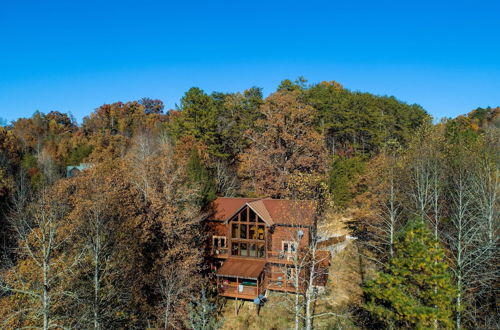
(241, 291)
(280, 257)
(283, 286)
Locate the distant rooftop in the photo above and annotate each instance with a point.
(80, 167)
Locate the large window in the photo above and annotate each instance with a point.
(248, 233)
(244, 249)
(247, 230)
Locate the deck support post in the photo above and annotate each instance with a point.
(236, 309)
(258, 282)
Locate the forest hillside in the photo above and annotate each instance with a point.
(118, 246)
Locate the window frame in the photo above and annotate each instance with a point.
(291, 244)
(248, 221)
(219, 239)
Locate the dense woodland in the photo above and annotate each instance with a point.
(121, 244)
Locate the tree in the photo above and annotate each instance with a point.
(35, 285)
(198, 118)
(151, 105)
(426, 180)
(203, 313)
(343, 176)
(416, 288)
(285, 143)
(101, 282)
(199, 176)
(169, 232)
(466, 232)
(219, 121)
(378, 209)
(356, 122)
(309, 260)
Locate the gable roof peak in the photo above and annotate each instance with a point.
(270, 210)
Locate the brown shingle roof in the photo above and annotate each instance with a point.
(272, 211)
(224, 207)
(242, 268)
(261, 210)
(291, 212)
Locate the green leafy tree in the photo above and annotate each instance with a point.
(198, 175)
(416, 289)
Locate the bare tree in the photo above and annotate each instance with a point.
(48, 167)
(226, 179)
(171, 229)
(172, 285)
(485, 184)
(143, 149)
(421, 158)
(379, 225)
(316, 275)
(100, 293)
(42, 233)
(389, 209)
(464, 239)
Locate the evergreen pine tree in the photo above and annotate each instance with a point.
(416, 290)
(199, 175)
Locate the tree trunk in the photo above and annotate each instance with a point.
(97, 285)
(310, 295)
(296, 282)
(46, 302)
(166, 315)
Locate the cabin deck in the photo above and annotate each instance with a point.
(231, 291)
(281, 287)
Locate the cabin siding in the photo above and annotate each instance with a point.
(282, 233)
(216, 228)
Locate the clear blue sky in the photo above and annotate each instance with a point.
(75, 55)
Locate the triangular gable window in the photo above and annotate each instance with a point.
(248, 234)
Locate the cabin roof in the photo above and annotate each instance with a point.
(260, 208)
(242, 268)
(225, 207)
(80, 167)
(272, 211)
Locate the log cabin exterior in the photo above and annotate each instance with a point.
(252, 243)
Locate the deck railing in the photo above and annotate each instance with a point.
(281, 256)
(232, 290)
(220, 252)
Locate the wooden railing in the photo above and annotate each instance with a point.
(286, 257)
(281, 286)
(220, 252)
(280, 257)
(231, 290)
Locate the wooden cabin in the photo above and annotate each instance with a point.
(253, 243)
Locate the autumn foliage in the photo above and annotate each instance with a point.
(121, 244)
